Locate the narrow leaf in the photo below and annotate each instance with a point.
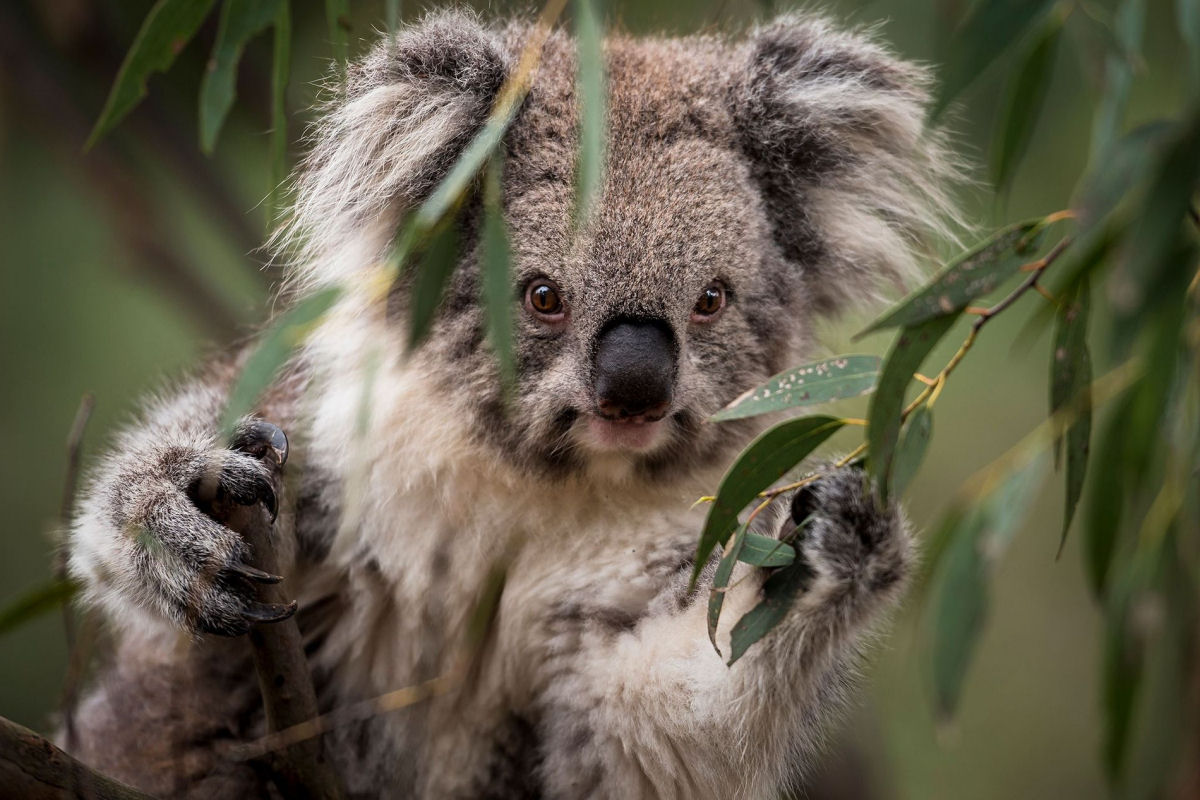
(1070, 383)
(1106, 500)
(1023, 104)
(275, 346)
(391, 14)
(1118, 78)
(1188, 15)
(972, 274)
(337, 15)
(36, 602)
(167, 28)
(883, 420)
(779, 592)
(819, 382)
(241, 21)
(497, 272)
(993, 27)
(762, 463)
(763, 551)
(976, 541)
(432, 276)
(911, 451)
(716, 596)
(593, 112)
(281, 68)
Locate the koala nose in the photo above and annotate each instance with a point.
(635, 369)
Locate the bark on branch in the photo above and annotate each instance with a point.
(32, 768)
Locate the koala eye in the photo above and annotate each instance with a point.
(542, 300)
(711, 301)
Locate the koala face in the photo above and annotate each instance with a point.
(749, 186)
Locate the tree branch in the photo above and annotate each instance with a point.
(34, 769)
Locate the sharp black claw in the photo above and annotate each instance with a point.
(262, 439)
(254, 574)
(268, 612)
(270, 501)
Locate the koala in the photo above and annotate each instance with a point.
(753, 185)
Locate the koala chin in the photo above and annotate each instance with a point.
(752, 185)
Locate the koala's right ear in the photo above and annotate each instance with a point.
(403, 116)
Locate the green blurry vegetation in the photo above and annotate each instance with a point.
(84, 307)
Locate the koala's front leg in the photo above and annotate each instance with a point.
(663, 716)
(149, 534)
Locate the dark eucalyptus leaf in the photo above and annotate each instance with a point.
(972, 274)
(763, 551)
(241, 21)
(883, 419)
(167, 28)
(819, 382)
(911, 450)
(1070, 387)
(282, 337)
(716, 596)
(1118, 78)
(281, 68)
(593, 106)
(1023, 105)
(433, 272)
(779, 593)
(36, 602)
(763, 462)
(992, 27)
(337, 16)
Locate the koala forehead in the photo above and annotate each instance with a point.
(678, 206)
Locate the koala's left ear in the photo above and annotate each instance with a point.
(855, 182)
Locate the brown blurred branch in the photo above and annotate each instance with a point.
(32, 768)
(134, 219)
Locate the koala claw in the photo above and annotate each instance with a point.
(261, 439)
(252, 573)
(269, 612)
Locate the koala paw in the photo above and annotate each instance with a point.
(188, 559)
(846, 535)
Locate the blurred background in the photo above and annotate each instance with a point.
(121, 266)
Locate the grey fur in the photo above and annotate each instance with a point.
(793, 167)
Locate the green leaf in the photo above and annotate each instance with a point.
(883, 419)
(36, 602)
(1106, 500)
(432, 277)
(167, 28)
(497, 273)
(762, 463)
(1118, 78)
(275, 346)
(1023, 104)
(1070, 383)
(972, 274)
(1188, 16)
(911, 451)
(763, 551)
(976, 540)
(819, 382)
(281, 68)
(241, 21)
(391, 14)
(992, 27)
(593, 112)
(779, 592)
(716, 596)
(337, 15)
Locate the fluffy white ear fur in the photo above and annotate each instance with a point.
(857, 183)
(402, 117)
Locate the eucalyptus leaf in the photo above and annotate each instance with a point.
(36, 602)
(992, 27)
(275, 346)
(281, 67)
(763, 551)
(819, 382)
(433, 273)
(912, 345)
(497, 272)
(1023, 105)
(1118, 78)
(972, 274)
(763, 462)
(337, 17)
(911, 450)
(1070, 383)
(1188, 16)
(167, 28)
(779, 593)
(593, 111)
(716, 596)
(1106, 500)
(240, 21)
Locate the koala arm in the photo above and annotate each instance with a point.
(146, 542)
(655, 712)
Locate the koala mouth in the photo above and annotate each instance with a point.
(636, 434)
